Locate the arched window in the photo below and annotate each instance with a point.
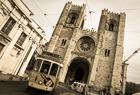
(111, 26)
(72, 20)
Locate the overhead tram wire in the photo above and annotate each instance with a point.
(88, 9)
(89, 13)
(117, 10)
(133, 31)
(127, 52)
(54, 14)
(132, 45)
(134, 69)
(43, 14)
(128, 9)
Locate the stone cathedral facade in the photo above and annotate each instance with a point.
(89, 56)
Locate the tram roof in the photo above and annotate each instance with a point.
(51, 56)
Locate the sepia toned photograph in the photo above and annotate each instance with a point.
(62, 47)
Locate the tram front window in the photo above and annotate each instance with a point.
(38, 64)
(54, 70)
(45, 67)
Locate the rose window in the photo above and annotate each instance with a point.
(85, 45)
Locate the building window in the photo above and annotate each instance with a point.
(107, 52)
(108, 76)
(82, 25)
(8, 26)
(72, 20)
(21, 39)
(1, 47)
(111, 26)
(63, 42)
(96, 69)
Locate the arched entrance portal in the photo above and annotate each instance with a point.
(79, 74)
(78, 70)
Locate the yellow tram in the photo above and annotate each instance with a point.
(45, 75)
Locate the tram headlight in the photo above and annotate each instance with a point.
(40, 82)
(48, 82)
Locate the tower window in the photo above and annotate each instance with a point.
(107, 52)
(72, 20)
(111, 26)
(82, 25)
(108, 76)
(8, 26)
(63, 42)
(96, 69)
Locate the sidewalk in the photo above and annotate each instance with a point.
(9, 77)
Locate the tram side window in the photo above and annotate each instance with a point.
(45, 67)
(54, 69)
(38, 64)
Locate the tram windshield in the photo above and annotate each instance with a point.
(54, 69)
(47, 67)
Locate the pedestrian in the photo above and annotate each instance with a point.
(86, 90)
(104, 91)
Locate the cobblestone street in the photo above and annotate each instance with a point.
(19, 88)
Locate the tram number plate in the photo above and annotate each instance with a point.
(49, 83)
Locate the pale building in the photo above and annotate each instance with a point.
(39, 50)
(20, 35)
(89, 56)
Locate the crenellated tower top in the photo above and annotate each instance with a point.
(89, 30)
(106, 12)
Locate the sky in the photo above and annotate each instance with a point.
(53, 8)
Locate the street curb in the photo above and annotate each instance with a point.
(8, 77)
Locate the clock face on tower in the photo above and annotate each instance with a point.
(85, 44)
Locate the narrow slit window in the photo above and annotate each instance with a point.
(82, 25)
(107, 52)
(72, 20)
(96, 69)
(111, 26)
(63, 42)
(108, 76)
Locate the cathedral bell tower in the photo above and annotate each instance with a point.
(65, 35)
(109, 54)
